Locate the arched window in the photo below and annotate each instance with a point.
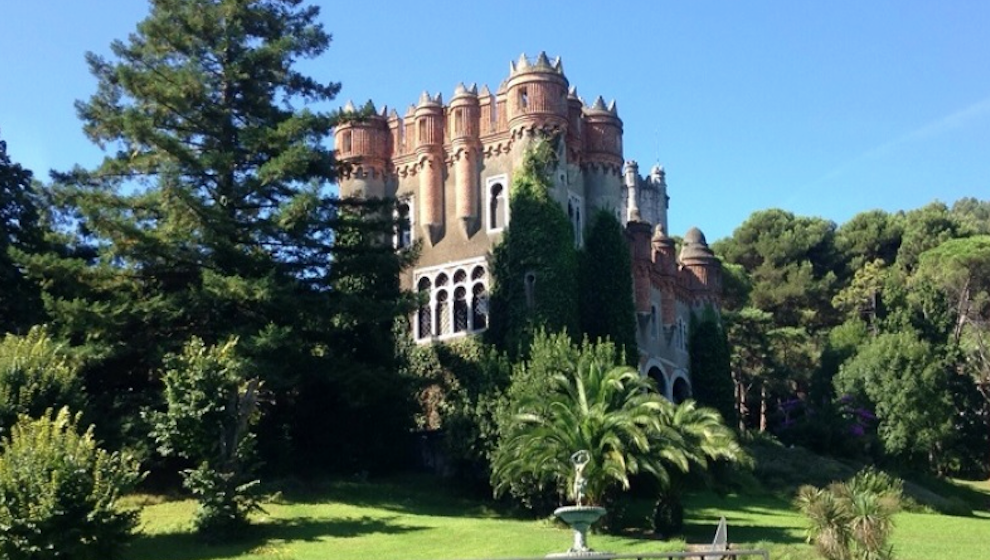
(443, 313)
(424, 324)
(496, 204)
(479, 307)
(574, 205)
(454, 300)
(460, 309)
(403, 226)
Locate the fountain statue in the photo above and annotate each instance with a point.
(579, 517)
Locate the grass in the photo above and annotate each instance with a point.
(421, 517)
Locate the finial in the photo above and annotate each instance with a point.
(369, 107)
(612, 107)
(599, 104)
(384, 111)
(512, 67)
(460, 89)
(473, 89)
(411, 109)
(349, 107)
(394, 114)
(572, 92)
(424, 98)
(558, 65)
(542, 61)
(438, 99)
(485, 92)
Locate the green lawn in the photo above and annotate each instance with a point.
(419, 517)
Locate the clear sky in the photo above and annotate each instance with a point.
(826, 109)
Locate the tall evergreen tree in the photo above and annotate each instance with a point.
(209, 217)
(20, 304)
(607, 309)
(711, 367)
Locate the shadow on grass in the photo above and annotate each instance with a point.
(416, 494)
(272, 534)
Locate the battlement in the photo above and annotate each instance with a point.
(536, 96)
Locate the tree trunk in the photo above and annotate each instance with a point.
(763, 407)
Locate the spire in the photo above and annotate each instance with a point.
(542, 61)
(558, 65)
(572, 93)
(485, 92)
(369, 107)
(612, 107)
(349, 107)
(473, 89)
(460, 89)
(599, 104)
(425, 98)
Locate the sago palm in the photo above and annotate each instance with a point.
(612, 412)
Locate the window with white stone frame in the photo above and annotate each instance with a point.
(402, 237)
(497, 203)
(453, 300)
(575, 213)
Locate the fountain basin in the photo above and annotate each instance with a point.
(579, 518)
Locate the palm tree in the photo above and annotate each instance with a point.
(615, 414)
(610, 411)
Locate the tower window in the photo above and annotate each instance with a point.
(422, 131)
(575, 204)
(402, 238)
(459, 120)
(345, 142)
(497, 204)
(523, 97)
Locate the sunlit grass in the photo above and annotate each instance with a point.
(420, 518)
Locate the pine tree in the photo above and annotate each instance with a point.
(20, 305)
(210, 216)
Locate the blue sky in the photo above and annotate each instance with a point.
(825, 109)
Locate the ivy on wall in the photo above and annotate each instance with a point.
(535, 267)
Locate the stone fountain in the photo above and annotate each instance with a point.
(579, 517)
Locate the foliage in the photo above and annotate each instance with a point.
(35, 375)
(606, 298)
(211, 405)
(711, 371)
(20, 229)
(925, 228)
(460, 385)
(905, 378)
(852, 520)
(869, 236)
(535, 267)
(60, 493)
(570, 398)
(791, 261)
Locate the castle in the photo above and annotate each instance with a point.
(450, 167)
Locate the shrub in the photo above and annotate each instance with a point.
(211, 407)
(852, 520)
(59, 492)
(35, 375)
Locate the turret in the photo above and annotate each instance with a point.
(665, 262)
(363, 147)
(575, 126)
(464, 119)
(659, 201)
(704, 271)
(603, 134)
(429, 156)
(536, 93)
(631, 182)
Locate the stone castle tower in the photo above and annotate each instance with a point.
(451, 166)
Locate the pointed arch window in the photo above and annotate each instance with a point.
(497, 203)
